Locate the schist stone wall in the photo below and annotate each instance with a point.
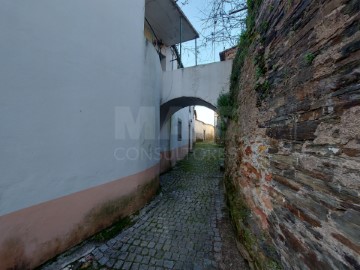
(293, 149)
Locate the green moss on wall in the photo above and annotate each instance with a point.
(241, 217)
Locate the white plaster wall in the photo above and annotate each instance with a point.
(169, 131)
(204, 81)
(169, 62)
(200, 127)
(185, 116)
(65, 66)
(165, 134)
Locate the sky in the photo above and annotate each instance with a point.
(197, 11)
(205, 114)
(194, 10)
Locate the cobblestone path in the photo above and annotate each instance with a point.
(184, 227)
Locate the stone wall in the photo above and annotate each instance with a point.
(228, 54)
(293, 149)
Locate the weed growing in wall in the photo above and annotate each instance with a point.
(309, 58)
(225, 105)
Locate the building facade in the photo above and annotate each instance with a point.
(81, 141)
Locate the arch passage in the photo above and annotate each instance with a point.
(169, 108)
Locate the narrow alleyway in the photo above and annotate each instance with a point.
(185, 227)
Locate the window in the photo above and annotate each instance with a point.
(179, 130)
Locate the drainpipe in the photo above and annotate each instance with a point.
(196, 52)
(180, 37)
(180, 64)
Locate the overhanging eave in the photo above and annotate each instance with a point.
(164, 17)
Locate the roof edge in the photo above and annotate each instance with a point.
(185, 17)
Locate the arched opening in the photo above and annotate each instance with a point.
(172, 106)
(180, 129)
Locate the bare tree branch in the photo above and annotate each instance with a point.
(223, 21)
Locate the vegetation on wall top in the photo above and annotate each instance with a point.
(227, 102)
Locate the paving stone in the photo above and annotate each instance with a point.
(161, 240)
(153, 261)
(144, 244)
(97, 254)
(138, 250)
(111, 242)
(168, 264)
(175, 256)
(159, 254)
(197, 266)
(167, 255)
(110, 263)
(131, 257)
(159, 263)
(143, 267)
(127, 265)
(216, 238)
(146, 260)
(217, 246)
(103, 247)
(117, 245)
(103, 260)
(179, 265)
(152, 253)
(166, 247)
(182, 258)
(125, 247)
(136, 242)
(159, 246)
(118, 264)
(145, 251)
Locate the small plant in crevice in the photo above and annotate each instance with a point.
(289, 3)
(274, 265)
(264, 26)
(225, 105)
(263, 91)
(259, 72)
(226, 109)
(259, 61)
(309, 58)
(253, 6)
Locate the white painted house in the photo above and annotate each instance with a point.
(82, 138)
